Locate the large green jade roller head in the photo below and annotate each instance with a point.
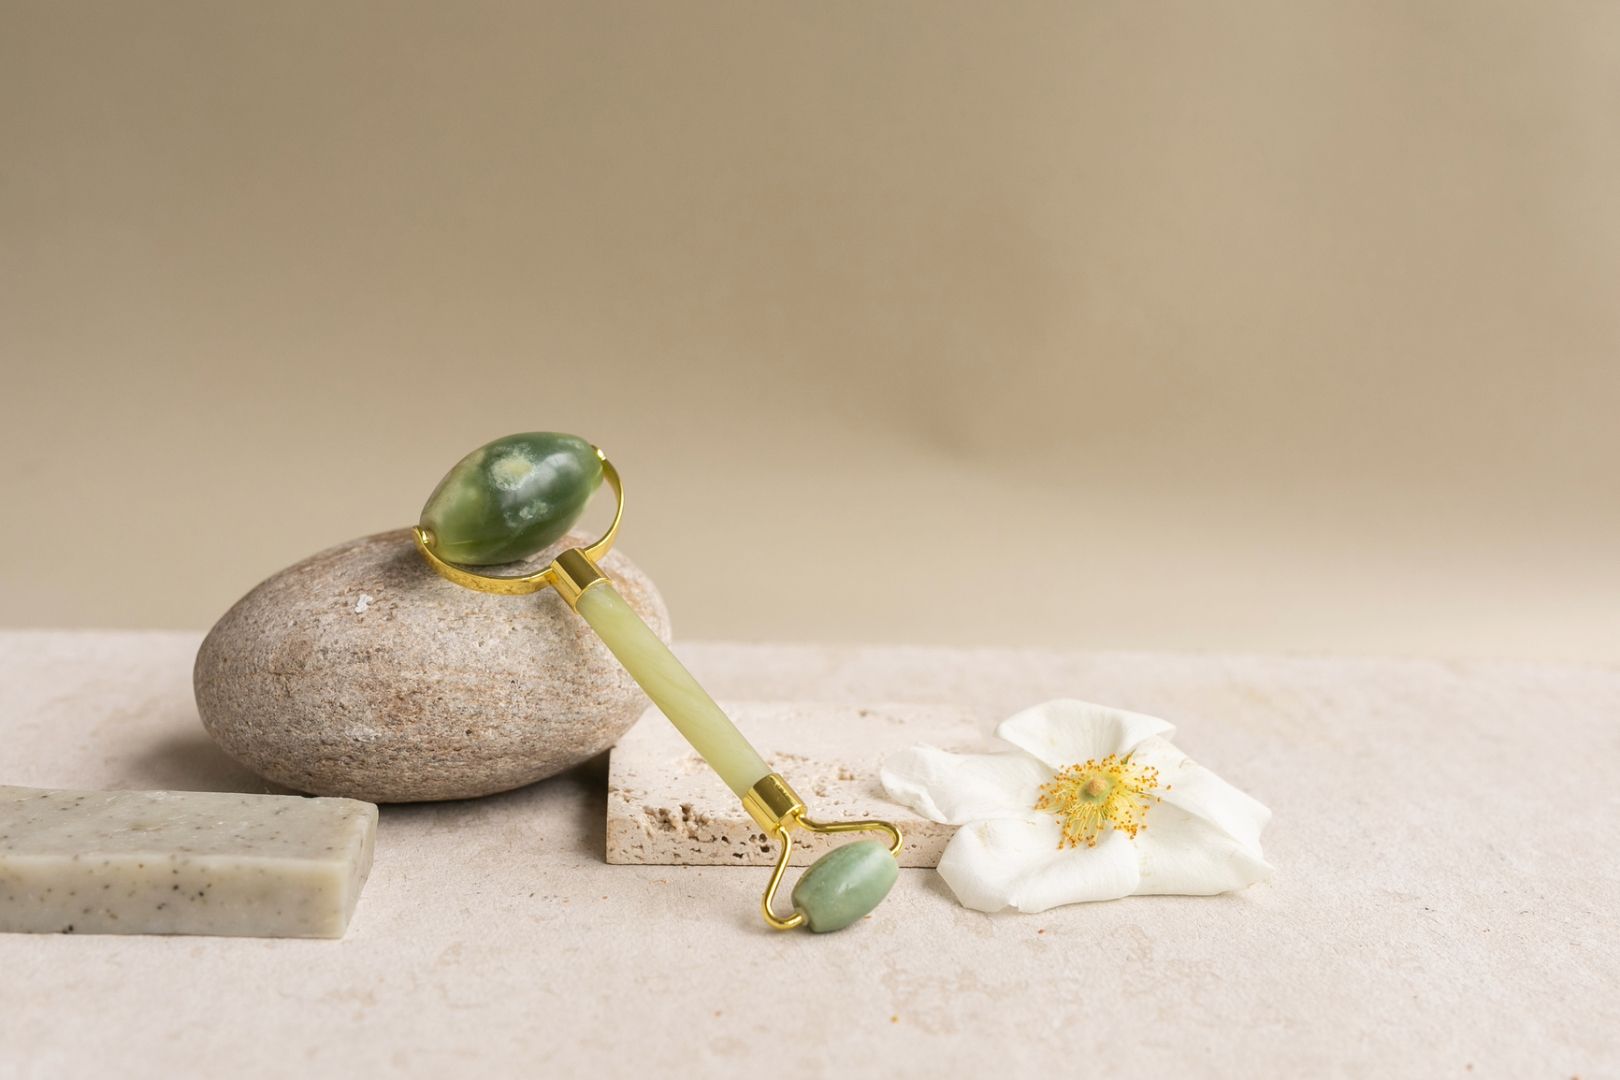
(510, 499)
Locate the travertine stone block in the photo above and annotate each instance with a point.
(666, 807)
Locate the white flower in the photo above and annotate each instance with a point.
(1094, 804)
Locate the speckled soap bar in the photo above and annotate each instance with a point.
(181, 862)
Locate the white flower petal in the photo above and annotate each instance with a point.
(1184, 853)
(990, 865)
(1185, 783)
(1068, 732)
(957, 788)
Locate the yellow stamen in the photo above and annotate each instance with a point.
(1115, 792)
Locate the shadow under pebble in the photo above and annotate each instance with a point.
(584, 787)
(189, 761)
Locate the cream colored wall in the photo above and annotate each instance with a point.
(1242, 326)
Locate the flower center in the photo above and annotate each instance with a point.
(1114, 792)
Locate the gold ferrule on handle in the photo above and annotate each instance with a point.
(773, 804)
(573, 573)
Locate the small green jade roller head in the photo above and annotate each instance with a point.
(511, 498)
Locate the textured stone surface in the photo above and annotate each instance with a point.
(666, 807)
(360, 672)
(1421, 922)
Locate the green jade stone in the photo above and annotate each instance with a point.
(844, 885)
(510, 498)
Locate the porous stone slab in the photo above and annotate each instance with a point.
(667, 807)
(360, 672)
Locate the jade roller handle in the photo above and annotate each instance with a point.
(844, 884)
(671, 687)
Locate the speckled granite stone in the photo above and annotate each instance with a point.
(360, 672)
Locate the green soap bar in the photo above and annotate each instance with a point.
(510, 498)
(181, 862)
(844, 885)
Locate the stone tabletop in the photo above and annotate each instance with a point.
(1444, 903)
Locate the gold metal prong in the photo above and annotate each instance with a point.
(767, 902)
(896, 839)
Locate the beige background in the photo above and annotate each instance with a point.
(1281, 326)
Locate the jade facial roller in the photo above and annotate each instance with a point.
(511, 498)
